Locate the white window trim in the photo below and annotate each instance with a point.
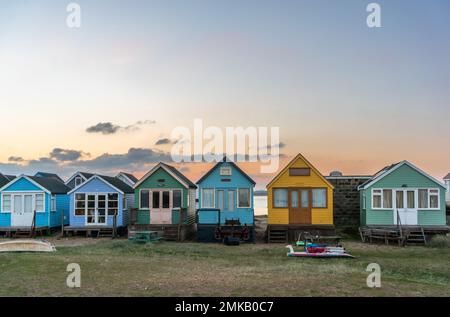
(86, 194)
(225, 168)
(10, 203)
(214, 198)
(149, 199)
(80, 179)
(53, 199)
(181, 196)
(249, 198)
(382, 198)
(23, 194)
(416, 191)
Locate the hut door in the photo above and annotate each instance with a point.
(161, 212)
(300, 206)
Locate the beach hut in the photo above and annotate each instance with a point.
(225, 204)
(165, 202)
(300, 200)
(100, 206)
(403, 196)
(33, 203)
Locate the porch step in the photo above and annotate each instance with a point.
(105, 233)
(277, 235)
(170, 233)
(22, 234)
(416, 236)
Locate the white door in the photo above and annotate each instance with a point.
(22, 213)
(161, 211)
(406, 207)
(96, 209)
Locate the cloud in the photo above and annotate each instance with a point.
(66, 155)
(15, 159)
(110, 128)
(164, 141)
(135, 158)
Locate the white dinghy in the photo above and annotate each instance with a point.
(28, 245)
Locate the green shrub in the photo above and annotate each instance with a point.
(440, 241)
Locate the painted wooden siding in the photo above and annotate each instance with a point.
(404, 176)
(281, 215)
(22, 185)
(95, 185)
(143, 216)
(237, 181)
(62, 206)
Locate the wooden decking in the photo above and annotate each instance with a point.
(289, 233)
(24, 232)
(94, 231)
(401, 235)
(169, 232)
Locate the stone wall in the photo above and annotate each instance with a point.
(347, 201)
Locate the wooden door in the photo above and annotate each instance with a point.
(300, 206)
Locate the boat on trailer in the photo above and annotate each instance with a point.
(319, 251)
(26, 245)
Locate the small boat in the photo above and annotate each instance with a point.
(26, 246)
(319, 252)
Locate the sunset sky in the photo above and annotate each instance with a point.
(348, 97)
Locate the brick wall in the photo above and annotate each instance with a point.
(346, 201)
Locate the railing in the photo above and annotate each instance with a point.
(399, 224)
(33, 225)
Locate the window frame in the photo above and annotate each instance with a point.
(274, 200)
(149, 198)
(173, 198)
(326, 197)
(43, 202)
(381, 194)
(53, 206)
(238, 205)
(10, 203)
(438, 194)
(213, 195)
(222, 168)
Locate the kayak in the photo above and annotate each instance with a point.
(319, 252)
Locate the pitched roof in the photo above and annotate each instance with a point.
(180, 175)
(86, 176)
(48, 175)
(53, 185)
(171, 170)
(447, 177)
(130, 176)
(389, 169)
(297, 157)
(226, 160)
(118, 184)
(3, 180)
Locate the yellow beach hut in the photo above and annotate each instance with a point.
(300, 200)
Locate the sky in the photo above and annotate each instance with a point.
(105, 97)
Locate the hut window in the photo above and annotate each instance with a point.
(319, 198)
(231, 199)
(244, 198)
(434, 198)
(176, 199)
(299, 171)
(80, 204)
(144, 202)
(155, 199)
(377, 198)
(208, 198)
(6, 203)
(53, 203)
(78, 181)
(113, 204)
(40, 202)
(423, 198)
(387, 198)
(225, 171)
(280, 198)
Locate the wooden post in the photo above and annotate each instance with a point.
(114, 225)
(62, 222)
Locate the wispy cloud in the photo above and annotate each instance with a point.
(16, 159)
(164, 141)
(107, 128)
(64, 155)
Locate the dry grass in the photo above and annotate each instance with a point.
(121, 268)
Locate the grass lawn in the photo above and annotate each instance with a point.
(122, 268)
